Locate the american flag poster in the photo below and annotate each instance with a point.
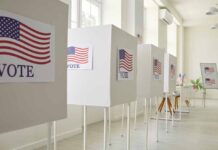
(125, 65)
(157, 70)
(26, 49)
(209, 70)
(172, 71)
(210, 81)
(79, 57)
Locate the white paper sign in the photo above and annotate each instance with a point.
(125, 65)
(79, 57)
(27, 50)
(209, 75)
(157, 70)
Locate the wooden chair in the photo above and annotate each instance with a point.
(169, 104)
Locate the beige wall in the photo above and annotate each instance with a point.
(201, 45)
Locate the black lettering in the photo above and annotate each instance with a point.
(2, 69)
(30, 71)
(12, 70)
(21, 69)
(124, 74)
(73, 66)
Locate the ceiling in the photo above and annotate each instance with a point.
(193, 11)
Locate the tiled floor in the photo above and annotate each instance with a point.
(198, 130)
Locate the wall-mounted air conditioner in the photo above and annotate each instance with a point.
(166, 16)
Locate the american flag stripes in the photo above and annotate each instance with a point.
(156, 67)
(209, 81)
(24, 42)
(125, 60)
(77, 55)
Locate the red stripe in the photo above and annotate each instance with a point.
(78, 56)
(84, 49)
(25, 48)
(79, 62)
(123, 65)
(74, 58)
(34, 41)
(77, 51)
(42, 48)
(16, 50)
(127, 69)
(126, 64)
(129, 60)
(42, 33)
(37, 37)
(127, 54)
(81, 54)
(20, 57)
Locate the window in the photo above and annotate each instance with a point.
(151, 18)
(73, 16)
(172, 39)
(84, 13)
(90, 12)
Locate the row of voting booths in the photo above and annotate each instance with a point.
(106, 68)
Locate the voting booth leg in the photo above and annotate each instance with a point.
(109, 126)
(180, 107)
(49, 136)
(128, 127)
(147, 116)
(122, 120)
(105, 128)
(150, 106)
(55, 135)
(172, 98)
(166, 113)
(84, 127)
(204, 98)
(145, 110)
(157, 117)
(135, 117)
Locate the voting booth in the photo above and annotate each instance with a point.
(101, 66)
(169, 73)
(150, 75)
(33, 76)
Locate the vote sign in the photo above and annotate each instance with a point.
(26, 49)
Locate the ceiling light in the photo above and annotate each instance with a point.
(212, 11)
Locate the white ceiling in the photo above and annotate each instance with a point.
(193, 11)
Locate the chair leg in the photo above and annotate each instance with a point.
(161, 105)
(169, 105)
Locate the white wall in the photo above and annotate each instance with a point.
(201, 45)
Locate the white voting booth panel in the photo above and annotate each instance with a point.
(150, 71)
(101, 85)
(169, 73)
(27, 104)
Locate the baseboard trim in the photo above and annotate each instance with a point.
(43, 142)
